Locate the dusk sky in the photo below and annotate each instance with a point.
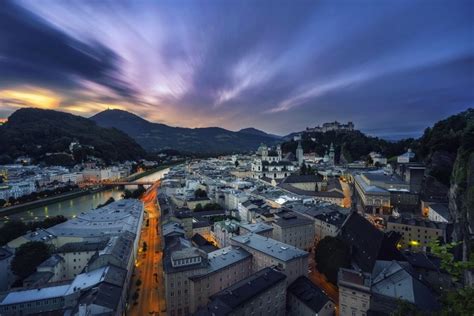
(391, 67)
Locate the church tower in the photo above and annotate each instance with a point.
(299, 154)
(332, 158)
(279, 153)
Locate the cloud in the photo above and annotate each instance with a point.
(34, 52)
(275, 65)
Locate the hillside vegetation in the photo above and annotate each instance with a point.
(156, 137)
(39, 133)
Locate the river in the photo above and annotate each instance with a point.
(72, 207)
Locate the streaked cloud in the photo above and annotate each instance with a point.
(275, 65)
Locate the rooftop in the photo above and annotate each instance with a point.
(51, 261)
(396, 280)
(257, 227)
(269, 247)
(334, 218)
(419, 222)
(441, 209)
(83, 246)
(302, 179)
(381, 177)
(222, 258)
(366, 242)
(291, 219)
(309, 294)
(367, 188)
(109, 274)
(113, 219)
(231, 298)
(324, 194)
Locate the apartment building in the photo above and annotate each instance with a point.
(225, 267)
(224, 230)
(179, 266)
(354, 292)
(294, 229)
(328, 224)
(416, 233)
(76, 255)
(262, 293)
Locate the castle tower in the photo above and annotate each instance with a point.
(299, 154)
(332, 158)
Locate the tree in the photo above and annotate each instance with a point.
(453, 267)
(127, 194)
(47, 222)
(12, 230)
(330, 255)
(212, 207)
(198, 207)
(28, 256)
(236, 163)
(199, 193)
(109, 200)
(458, 301)
(303, 169)
(405, 308)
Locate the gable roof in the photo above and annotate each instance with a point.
(296, 178)
(231, 298)
(366, 242)
(309, 294)
(270, 247)
(397, 280)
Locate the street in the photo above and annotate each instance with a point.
(320, 280)
(347, 202)
(149, 268)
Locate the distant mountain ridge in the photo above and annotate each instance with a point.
(38, 133)
(254, 131)
(156, 136)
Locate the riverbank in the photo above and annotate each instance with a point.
(10, 210)
(43, 202)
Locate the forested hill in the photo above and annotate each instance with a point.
(39, 133)
(349, 146)
(155, 137)
(448, 150)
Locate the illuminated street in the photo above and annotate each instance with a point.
(149, 268)
(321, 281)
(347, 202)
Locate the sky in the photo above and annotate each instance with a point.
(391, 67)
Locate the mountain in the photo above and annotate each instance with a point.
(39, 133)
(254, 131)
(155, 136)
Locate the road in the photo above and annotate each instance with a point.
(320, 280)
(347, 202)
(149, 267)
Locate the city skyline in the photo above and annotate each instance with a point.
(277, 66)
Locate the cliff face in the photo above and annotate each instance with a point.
(461, 192)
